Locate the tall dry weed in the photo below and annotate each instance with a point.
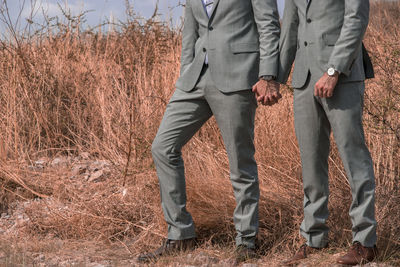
(69, 91)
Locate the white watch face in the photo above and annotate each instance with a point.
(331, 71)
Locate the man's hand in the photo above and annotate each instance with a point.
(326, 85)
(267, 92)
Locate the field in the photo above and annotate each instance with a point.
(79, 110)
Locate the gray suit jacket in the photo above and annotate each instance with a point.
(241, 39)
(320, 34)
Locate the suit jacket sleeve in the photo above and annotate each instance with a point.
(288, 42)
(354, 26)
(189, 37)
(267, 18)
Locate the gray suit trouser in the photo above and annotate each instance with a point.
(314, 119)
(185, 114)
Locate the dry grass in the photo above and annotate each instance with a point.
(65, 92)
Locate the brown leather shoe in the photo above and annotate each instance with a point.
(301, 254)
(168, 247)
(358, 254)
(244, 253)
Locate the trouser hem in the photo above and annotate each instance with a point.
(317, 246)
(181, 235)
(365, 244)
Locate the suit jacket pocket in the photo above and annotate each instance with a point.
(245, 48)
(330, 39)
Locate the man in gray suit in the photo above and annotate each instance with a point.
(324, 39)
(227, 48)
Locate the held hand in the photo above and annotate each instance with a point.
(267, 92)
(326, 85)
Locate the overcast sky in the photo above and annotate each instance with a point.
(101, 9)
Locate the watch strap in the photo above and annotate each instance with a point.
(268, 77)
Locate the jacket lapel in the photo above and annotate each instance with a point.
(216, 2)
(308, 4)
(198, 4)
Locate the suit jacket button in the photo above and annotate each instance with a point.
(204, 50)
(305, 43)
(211, 28)
(309, 20)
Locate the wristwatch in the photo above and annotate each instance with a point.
(332, 71)
(268, 77)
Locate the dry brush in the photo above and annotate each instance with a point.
(70, 91)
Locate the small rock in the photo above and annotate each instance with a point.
(100, 165)
(127, 263)
(228, 262)
(66, 263)
(40, 258)
(96, 176)
(40, 163)
(59, 162)
(84, 155)
(35, 168)
(204, 259)
(124, 192)
(95, 264)
(79, 169)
